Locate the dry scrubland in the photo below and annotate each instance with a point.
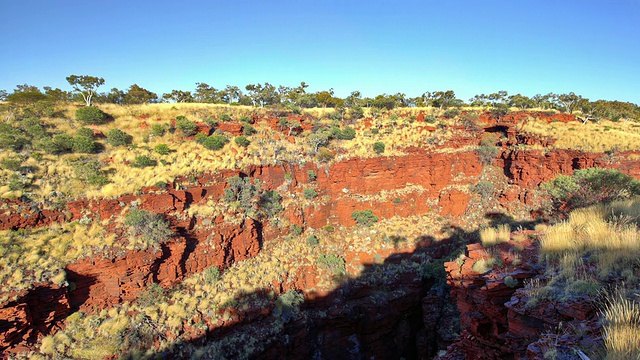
(594, 247)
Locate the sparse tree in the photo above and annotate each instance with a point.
(205, 93)
(178, 96)
(139, 95)
(85, 85)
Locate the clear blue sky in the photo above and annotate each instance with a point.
(471, 47)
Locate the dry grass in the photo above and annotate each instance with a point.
(493, 236)
(40, 255)
(621, 328)
(600, 137)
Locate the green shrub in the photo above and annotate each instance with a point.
(242, 141)
(379, 147)
(143, 161)
(188, 128)
(33, 127)
(590, 186)
(430, 119)
(510, 281)
(90, 172)
(451, 113)
(200, 138)
(162, 149)
(62, 143)
(91, 115)
(225, 117)
(12, 164)
(348, 133)
(287, 305)
(158, 130)
(83, 144)
(12, 138)
(248, 130)
(364, 217)
(215, 142)
(486, 154)
(311, 175)
(212, 274)
(151, 295)
(325, 155)
(296, 229)
(310, 193)
(375, 131)
(83, 131)
(333, 263)
(117, 137)
(151, 227)
(483, 188)
(17, 182)
(313, 240)
(245, 119)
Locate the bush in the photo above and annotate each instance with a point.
(333, 263)
(311, 175)
(62, 143)
(12, 164)
(590, 186)
(245, 119)
(12, 138)
(248, 130)
(162, 149)
(287, 305)
(313, 240)
(188, 128)
(379, 147)
(83, 144)
(451, 113)
(225, 117)
(143, 161)
(215, 142)
(325, 155)
(117, 137)
(212, 274)
(157, 130)
(487, 154)
(364, 217)
(348, 133)
(310, 193)
(91, 115)
(90, 172)
(242, 141)
(151, 227)
(83, 131)
(296, 229)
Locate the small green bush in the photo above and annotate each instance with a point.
(379, 147)
(158, 130)
(310, 193)
(143, 161)
(12, 164)
(313, 240)
(334, 263)
(84, 145)
(225, 117)
(296, 229)
(162, 149)
(364, 217)
(188, 128)
(12, 137)
(245, 119)
(212, 274)
(248, 130)
(151, 227)
(90, 172)
(91, 115)
(242, 141)
(487, 154)
(311, 175)
(62, 143)
(83, 131)
(117, 137)
(215, 142)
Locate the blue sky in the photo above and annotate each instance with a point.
(471, 47)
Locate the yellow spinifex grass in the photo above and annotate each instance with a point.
(615, 245)
(621, 328)
(597, 137)
(495, 235)
(41, 254)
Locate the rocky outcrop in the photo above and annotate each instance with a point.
(98, 283)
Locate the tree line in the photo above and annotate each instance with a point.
(298, 97)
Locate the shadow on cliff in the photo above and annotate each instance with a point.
(396, 308)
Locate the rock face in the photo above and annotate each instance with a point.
(100, 283)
